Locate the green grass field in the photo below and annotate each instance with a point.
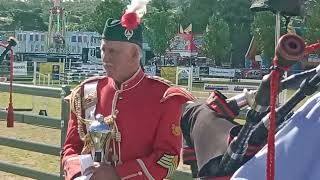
(30, 159)
(44, 135)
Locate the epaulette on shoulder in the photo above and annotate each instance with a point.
(76, 90)
(91, 79)
(173, 90)
(177, 91)
(160, 79)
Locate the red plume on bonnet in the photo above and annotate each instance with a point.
(130, 20)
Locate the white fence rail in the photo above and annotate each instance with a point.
(42, 79)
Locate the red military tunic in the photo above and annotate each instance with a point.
(148, 118)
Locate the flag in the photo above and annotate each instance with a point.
(181, 29)
(207, 28)
(291, 29)
(252, 50)
(188, 29)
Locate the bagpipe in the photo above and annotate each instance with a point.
(244, 141)
(252, 136)
(9, 48)
(212, 159)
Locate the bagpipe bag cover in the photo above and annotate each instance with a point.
(209, 132)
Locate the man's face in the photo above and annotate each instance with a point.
(117, 58)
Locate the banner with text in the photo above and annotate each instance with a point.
(52, 68)
(150, 70)
(20, 68)
(3, 79)
(169, 73)
(228, 87)
(204, 71)
(222, 72)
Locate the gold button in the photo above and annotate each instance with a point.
(140, 173)
(120, 98)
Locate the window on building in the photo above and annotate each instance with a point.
(37, 48)
(42, 37)
(79, 38)
(74, 49)
(19, 37)
(85, 39)
(42, 48)
(31, 37)
(32, 48)
(91, 52)
(36, 37)
(24, 37)
(74, 39)
(78, 50)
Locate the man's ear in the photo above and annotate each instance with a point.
(135, 52)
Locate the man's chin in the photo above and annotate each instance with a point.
(111, 75)
(108, 72)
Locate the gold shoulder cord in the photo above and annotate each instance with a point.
(76, 108)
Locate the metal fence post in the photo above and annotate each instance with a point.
(64, 119)
(34, 73)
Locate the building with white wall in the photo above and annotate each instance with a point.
(33, 45)
(31, 42)
(75, 41)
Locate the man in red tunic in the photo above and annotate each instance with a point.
(144, 112)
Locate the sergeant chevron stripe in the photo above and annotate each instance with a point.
(169, 162)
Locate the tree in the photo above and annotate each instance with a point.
(160, 28)
(105, 9)
(6, 6)
(197, 12)
(78, 17)
(217, 40)
(235, 13)
(161, 5)
(239, 18)
(27, 20)
(312, 29)
(263, 28)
